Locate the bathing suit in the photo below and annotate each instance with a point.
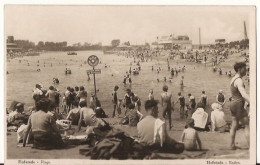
(237, 102)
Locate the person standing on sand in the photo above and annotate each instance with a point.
(181, 99)
(127, 99)
(150, 96)
(166, 103)
(203, 99)
(190, 137)
(192, 101)
(115, 100)
(51, 94)
(237, 103)
(82, 94)
(221, 98)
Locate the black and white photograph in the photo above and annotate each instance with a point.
(148, 84)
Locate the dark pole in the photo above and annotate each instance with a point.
(94, 81)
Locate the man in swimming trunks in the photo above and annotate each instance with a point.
(166, 103)
(239, 97)
(181, 99)
(203, 99)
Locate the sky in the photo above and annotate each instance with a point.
(137, 24)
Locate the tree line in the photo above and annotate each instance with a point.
(55, 46)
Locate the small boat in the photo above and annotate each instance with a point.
(71, 53)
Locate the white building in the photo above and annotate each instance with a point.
(170, 42)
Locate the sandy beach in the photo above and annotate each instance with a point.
(215, 145)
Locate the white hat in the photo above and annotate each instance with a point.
(215, 106)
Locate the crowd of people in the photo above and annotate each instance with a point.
(54, 112)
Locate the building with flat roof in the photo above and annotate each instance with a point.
(220, 41)
(10, 45)
(180, 42)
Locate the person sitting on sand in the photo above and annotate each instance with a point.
(152, 130)
(16, 117)
(221, 98)
(74, 115)
(44, 129)
(218, 122)
(92, 101)
(100, 113)
(190, 137)
(200, 118)
(88, 117)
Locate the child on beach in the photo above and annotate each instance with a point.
(190, 137)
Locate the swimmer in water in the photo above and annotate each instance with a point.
(130, 80)
(229, 74)
(124, 81)
(220, 71)
(172, 72)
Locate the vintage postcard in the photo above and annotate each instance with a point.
(130, 84)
